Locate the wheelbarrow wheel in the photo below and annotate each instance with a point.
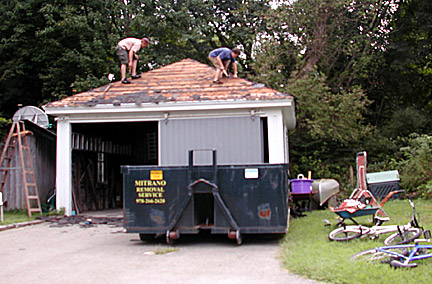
(348, 233)
(406, 237)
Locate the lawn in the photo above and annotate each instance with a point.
(306, 249)
(16, 216)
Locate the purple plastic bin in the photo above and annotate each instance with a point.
(301, 185)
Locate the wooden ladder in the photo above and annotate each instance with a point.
(17, 137)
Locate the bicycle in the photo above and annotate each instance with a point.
(398, 255)
(403, 234)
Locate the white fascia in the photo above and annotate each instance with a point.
(163, 107)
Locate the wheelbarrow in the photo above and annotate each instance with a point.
(362, 202)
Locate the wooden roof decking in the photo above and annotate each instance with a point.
(183, 81)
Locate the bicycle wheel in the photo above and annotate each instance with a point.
(378, 256)
(348, 233)
(370, 255)
(406, 237)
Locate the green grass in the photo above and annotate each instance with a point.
(165, 250)
(16, 216)
(306, 249)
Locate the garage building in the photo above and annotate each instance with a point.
(156, 120)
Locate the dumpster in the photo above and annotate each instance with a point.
(225, 199)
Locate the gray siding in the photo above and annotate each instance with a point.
(42, 151)
(237, 140)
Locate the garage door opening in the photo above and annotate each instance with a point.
(99, 149)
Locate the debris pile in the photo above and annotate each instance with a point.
(83, 221)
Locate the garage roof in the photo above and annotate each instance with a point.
(185, 81)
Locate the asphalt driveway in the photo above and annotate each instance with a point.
(80, 253)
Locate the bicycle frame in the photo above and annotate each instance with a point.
(412, 256)
(406, 233)
(378, 229)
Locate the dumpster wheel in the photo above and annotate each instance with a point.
(171, 236)
(235, 235)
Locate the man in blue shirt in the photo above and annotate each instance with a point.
(221, 58)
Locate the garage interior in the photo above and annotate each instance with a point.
(98, 151)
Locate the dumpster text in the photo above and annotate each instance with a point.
(150, 191)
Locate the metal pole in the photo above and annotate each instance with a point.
(214, 167)
(190, 166)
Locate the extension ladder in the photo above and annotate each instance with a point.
(17, 137)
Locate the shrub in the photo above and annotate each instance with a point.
(415, 166)
(4, 128)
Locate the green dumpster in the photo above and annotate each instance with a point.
(225, 199)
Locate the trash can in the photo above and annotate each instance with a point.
(301, 194)
(381, 183)
(224, 199)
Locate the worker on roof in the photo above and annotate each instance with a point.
(221, 58)
(126, 50)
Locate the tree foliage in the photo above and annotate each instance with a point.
(322, 52)
(326, 116)
(415, 164)
(339, 37)
(351, 65)
(19, 73)
(51, 49)
(404, 77)
(360, 70)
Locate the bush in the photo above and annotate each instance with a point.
(4, 128)
(415, 166)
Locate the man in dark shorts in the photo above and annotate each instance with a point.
(221, 58)
(126, 50)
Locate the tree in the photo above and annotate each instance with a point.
(19, 82)
(404, 79)
(333, 41)
(325, 53)
(340, 38)
(54, 48)
(46, 46)
(192, 28)
(325, 116)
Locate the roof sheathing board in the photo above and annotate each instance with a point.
(184, 81)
